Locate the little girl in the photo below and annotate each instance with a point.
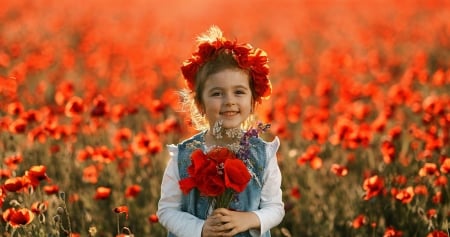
(226, 80)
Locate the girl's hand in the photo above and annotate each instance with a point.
(234, 222)
(211, 227)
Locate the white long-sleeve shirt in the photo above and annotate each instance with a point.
(182, 223)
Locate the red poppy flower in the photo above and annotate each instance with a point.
(441, 181)
(36, 174)
(15, 108)
(438, 78)
(102, 193)
(359, 110)
(85, 154)
(220, 155)
(391, 232)
(91, 174)
(122, 209)
(39, 134)
(437, 233)
(55, 149)
(342, 129)
(400, 179)
(394, 191)
(379, 123)
(153, 218)
(18, 217)
(4, 173)
(405, 195)
(421, 190)
(189, 69)
(432, 213)
(146, 143)
(199, 162)
(132, 191)
(437, 198)
(373, 186)
(339, 170)
(8, 88)
(388, 151)
(64, 91)
(100, 107)
(359, 221)
(445, 166)
(428, 169)
(18, 126)
(187, 184)
(169, 125)
(5, 121)
(14, 184)
(74, 198)
(311, 152)
(102, 154)
(51, 189)
(2, 195)
(351, 157)
(117, 112)
(31, 116)
(316, 163)
(295, 193)
(433, 105)
(123, 135)
(236, 174)
(39, 207)
(13, 161)
(210, 182)
(74, 107)
(214, 173)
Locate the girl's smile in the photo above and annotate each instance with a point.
(229, 113)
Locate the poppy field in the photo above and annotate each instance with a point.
(360, 101)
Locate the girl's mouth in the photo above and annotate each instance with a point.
(229, 113)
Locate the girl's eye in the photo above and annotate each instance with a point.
(240, 92)
(216, 93)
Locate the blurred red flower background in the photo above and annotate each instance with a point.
(360, 102)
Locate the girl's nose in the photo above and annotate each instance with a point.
(229, 103)
(229, 100)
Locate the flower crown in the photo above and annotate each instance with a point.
(248, 58)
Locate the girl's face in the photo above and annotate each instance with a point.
(227, 96)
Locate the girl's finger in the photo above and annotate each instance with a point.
(221, 211)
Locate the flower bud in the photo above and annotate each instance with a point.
(60, 211)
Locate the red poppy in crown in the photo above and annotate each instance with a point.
(248, 58)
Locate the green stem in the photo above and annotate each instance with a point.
(118, 225)
(224, 200)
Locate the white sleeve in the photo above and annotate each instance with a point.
(169, 212)
(271, 210)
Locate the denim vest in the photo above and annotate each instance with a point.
(248, 200)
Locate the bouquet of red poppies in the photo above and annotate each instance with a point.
(218, 174)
